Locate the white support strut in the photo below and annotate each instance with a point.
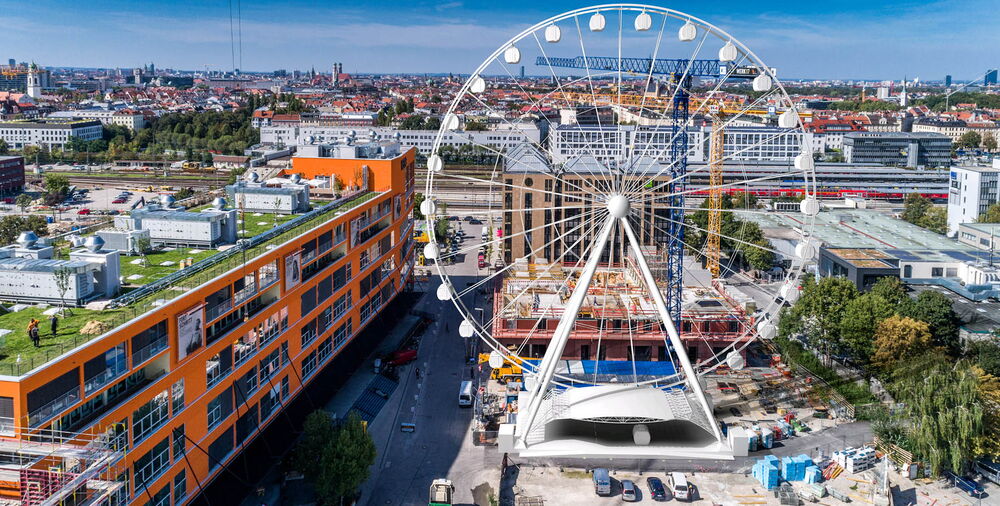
(560, 336)
(692, 379)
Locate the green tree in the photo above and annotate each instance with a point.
(992, 214)
(432, 123)
(12, 225)
(317, 432)
(23, 201)
(914, 207)
(970, 140)
(414, 122)
(56, 184)
(989, 141)
(4, 148)
(891, 289)
(935, 309)
(935, 220)
(475, 126)
(345, 463)
(418, 198)
(944, 409)
(819, 312)
(986, 355)
(860, 319)
(897, 339)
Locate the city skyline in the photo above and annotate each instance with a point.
(841, 40)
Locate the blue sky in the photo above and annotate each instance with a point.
(804, 38)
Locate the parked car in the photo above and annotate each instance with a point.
(656, 489)
(679, 486)
(83, 212)
(735, 412)
(629, 492)
(602, 482)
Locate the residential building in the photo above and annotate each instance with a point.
(183, 373)
(49, 133)
(906, 149)
(11, 175)
(423, 140)
(972, 190)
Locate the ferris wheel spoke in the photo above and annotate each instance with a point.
(566, 196)
(609, 178)
(592, 224)
(533, 252)
(500, 240)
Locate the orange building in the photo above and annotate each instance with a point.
(188, 369)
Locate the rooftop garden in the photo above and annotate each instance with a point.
(19, 356)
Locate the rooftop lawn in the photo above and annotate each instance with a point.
(251, 225)
(153, 270)
(18, 344)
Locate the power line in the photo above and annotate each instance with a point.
(239, 21)
(232, 40)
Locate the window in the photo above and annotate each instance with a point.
(219, 408)
(325, 320)
(341, 305)
(179, 442)
(161, 498)
(180, 486)
(269, 365)
(220, 448)
(269, 402)
(104, 368)
(323, 290)
(243, 348)
(308, 333)
(309, 364)
(343, 333)
(149, 417)
(937, 272)
(219, 366)
(325, 350)
(177, 396)
(246, 385)
(246, 424)
(149, 342)
(149, 466)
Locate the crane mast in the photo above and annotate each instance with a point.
(713, 250)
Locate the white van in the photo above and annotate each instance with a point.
(602, 482)
(465, 394)
(679, 486)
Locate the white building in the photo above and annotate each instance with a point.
(51, 133)
(128, 119)
(423, 140)
(971, 192)
(618, 143)
(984, 236)
(28, 272)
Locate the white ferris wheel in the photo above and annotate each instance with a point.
(624, 170)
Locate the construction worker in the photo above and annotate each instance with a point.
(53, 324)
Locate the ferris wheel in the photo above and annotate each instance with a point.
(631, 150)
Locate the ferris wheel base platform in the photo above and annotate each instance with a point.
(617, 421)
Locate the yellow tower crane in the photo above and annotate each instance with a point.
(713, 251)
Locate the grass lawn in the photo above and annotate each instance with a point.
(68, 336)
(252, 227)
(156, 271)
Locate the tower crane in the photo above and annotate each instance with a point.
(713, 250)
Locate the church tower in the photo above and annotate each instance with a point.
(34, 88)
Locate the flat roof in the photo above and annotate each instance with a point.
(857, 228)
(983, 227)
(976, 316)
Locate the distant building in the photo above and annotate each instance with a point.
(11, 175)
(990, 79)
(984, 236)
(898, 148)
(50, 133)
(230, 162)
(947, 81)
(28, 272)
(133, 120)
(971, 192)
(15, 77)
(423, 140)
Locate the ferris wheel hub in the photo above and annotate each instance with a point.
(618, 206)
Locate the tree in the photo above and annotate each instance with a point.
(891, 289)
(935, 309)
(184, 193)
(62, 276)
(819, 311)
(432, 123)
(989, 141)
(345, 463)
(935, 220)
(945, 410)
(317, 432)
(142, 245)
(4, 148)
(898, 338)
(56, 185)
(475, 126)
(914, 207)
(992, 214)
(338, 184)
(985, 354)
(861, 317)
(969, 139)
(418, 198)
(11, 226)
(23, 201)
(414, 122)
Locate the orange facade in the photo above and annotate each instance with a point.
(196, 379)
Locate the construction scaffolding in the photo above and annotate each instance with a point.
(42, 468)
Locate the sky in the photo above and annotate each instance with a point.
(821, 39)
